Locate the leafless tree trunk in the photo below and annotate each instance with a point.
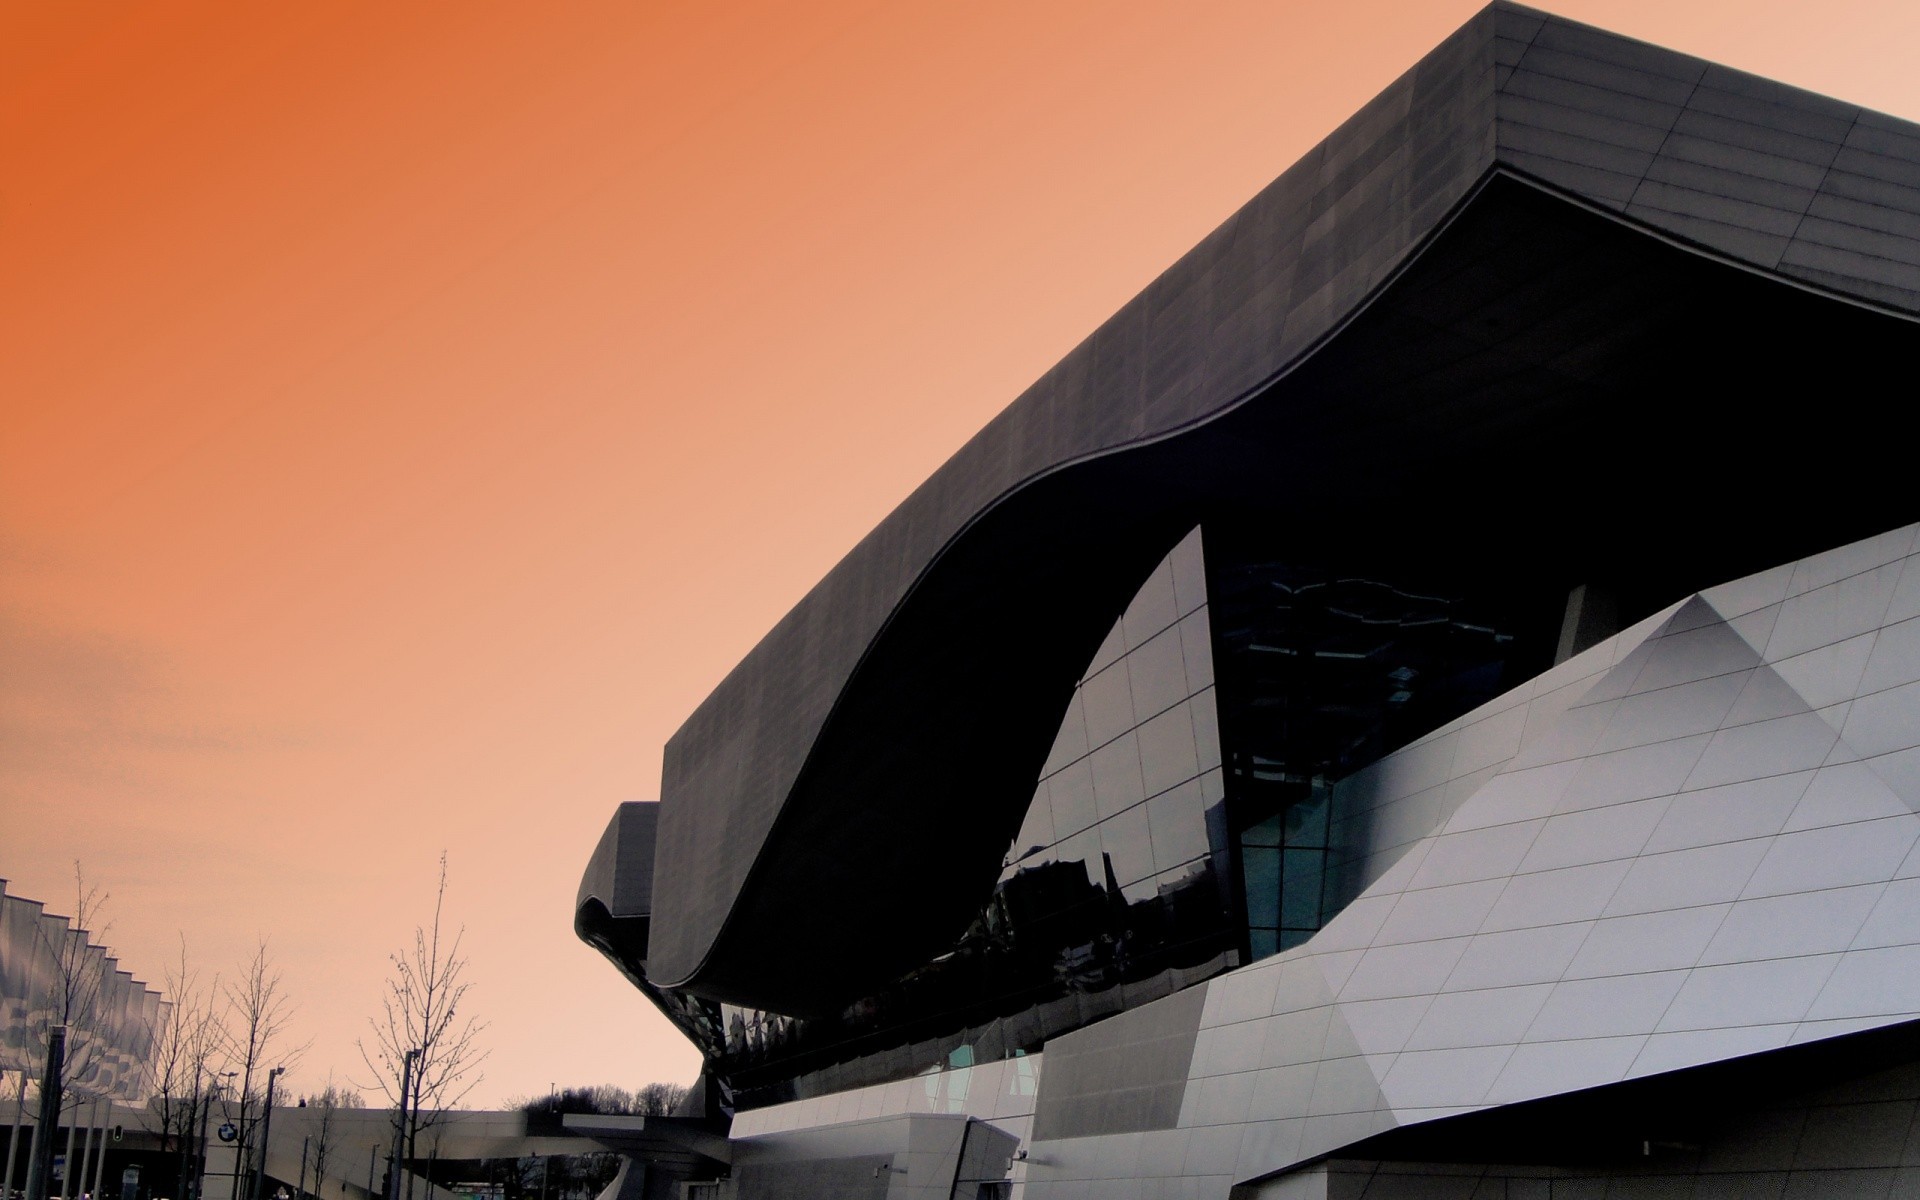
(183, 1063)
(327, 1104)
(258, 1013)
(421, 1016)
(175, 1069)
(75, 983)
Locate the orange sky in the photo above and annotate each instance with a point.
(412, 410)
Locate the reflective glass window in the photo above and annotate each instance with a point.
(1321, 669)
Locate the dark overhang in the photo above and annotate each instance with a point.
(1532, 310)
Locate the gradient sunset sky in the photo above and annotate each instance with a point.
(413, 410)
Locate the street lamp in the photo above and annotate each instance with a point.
(400, 1146)
(266, 1130)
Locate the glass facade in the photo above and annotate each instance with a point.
(1181, 824)
(1121, 850)
(1115, 892)
(1323, 671)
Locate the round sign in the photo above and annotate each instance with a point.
(228, 1132)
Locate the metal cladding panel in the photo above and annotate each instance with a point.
(1791, 184)
(1809, 187)
(1711, 851)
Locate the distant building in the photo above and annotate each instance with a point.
(1426, 698)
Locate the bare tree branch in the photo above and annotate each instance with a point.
(258, 1013)
(422, 1015)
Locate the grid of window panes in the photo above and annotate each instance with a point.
(1283, 863)
(1136, 766)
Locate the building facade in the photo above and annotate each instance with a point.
(1424, 700)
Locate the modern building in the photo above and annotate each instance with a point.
(1423, 701)
(54, 975)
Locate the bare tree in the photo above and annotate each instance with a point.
(258, 1014)
(174, 1068)
(182, 1067)
(76, 978)
(331, 1100)
(426, 1052)
(659, 1099)
(653, 1100)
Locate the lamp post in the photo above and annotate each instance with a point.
(186, 1135)
(40, 1158)
(400, 1130)
(266, 1130)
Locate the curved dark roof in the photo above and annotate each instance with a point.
(1519, 306)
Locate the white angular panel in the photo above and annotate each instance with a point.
(1265, 1146)
(1895, 920)
(1430, 914)
(1346, 1085)
(1831, 673)
(1795, 924)
(1657, 941)
(1595, 835)
(1514, 795)
(1754, 592)
(1242, 995)
(1690, 1048)
(1570, 735)
(1900, 771)
(1882, 982)
(1217, 1099)
(1281, 1092)
(1906, 594)
(1843, 794)
(1749, 993)
(1298, 984)
(1488, 1017)
(1765, 697)
(1854, 558)
(1656, 769)
(1518, 956)
(1417, 969)
(1682, 878)
(1491, 853)
(1710, 649)
(1443, 1078)
(1295, 1037)
(1354, 927)
(1885, 721)
(1556, 897)
(1383, 1026)
(1756, 628)
(1834, 856)
(1610, 1005)
(1489, 741)
(1895, 657)
(1764, 748)
(1698, 706)
(1549, 1068)
(1853, 606)
(1730, 813)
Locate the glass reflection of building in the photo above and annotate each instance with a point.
(1188, 819)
